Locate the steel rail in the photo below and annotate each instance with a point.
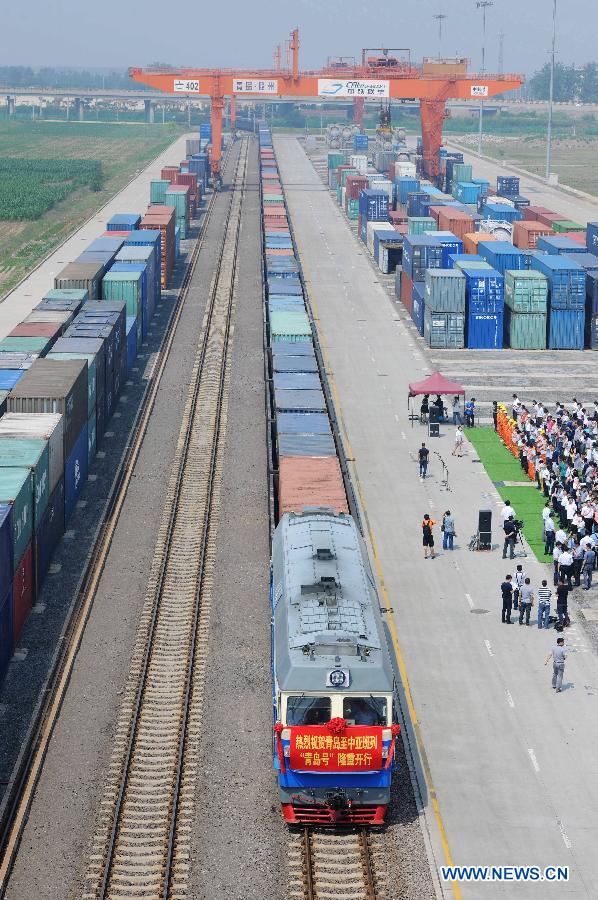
(166, 550)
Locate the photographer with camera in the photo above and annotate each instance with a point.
(510, 530)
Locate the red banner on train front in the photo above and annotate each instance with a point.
(356, 749)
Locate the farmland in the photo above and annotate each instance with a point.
(53, 176)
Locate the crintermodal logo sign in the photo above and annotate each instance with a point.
(331, 87)
(479, 90)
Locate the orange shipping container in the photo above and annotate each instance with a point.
(451, 219)
(472, 239)
(310, 481)
(526, 234)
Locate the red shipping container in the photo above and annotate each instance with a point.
(37, 329)
(310, 481)
(270, 176)
(402, 228)
(531, 213)
(549, 218)
(526, 234)
(578, 236)
(22, 591)
(406, 291)
(278, 251)
(124, 234)
(472, 239)
(169, 173)
(451, 219)
(355, 184)
(397, 217)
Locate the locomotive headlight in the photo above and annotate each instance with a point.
(386, 736)
(337, 678)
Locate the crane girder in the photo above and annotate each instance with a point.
(402, 81)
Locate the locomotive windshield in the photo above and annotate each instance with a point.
(308, 710)
(365, 710)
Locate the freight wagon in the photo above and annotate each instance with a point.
(333, 677)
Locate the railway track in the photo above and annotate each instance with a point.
(325, 865)
(35, 747)
(141, 847)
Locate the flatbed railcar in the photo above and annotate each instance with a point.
(334, 691)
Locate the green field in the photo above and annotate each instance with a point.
(53, 176)
(526, 500)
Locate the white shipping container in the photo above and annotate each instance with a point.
(48, 426)
(372, 227)
(404, 168)
(360, 163)
(343, 197)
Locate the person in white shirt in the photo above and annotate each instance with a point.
(545, 514)
(519, 577)
(561, 537)
(549, 535)
(459, 437)
(516, 406)
(566, 567)
(507, 511)
(556, 555)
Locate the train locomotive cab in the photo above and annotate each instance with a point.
(334, 689)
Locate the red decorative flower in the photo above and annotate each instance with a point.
(336, 725)
(278, 728)
(396, 730)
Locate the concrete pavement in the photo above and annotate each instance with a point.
(513, 764)
(133, 198)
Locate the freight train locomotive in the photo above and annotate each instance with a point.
(334, 685)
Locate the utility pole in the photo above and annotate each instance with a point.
(439, 17)
(483, 5)
(501, 41)
(551, 96)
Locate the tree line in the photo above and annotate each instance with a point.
(47, 78)
(571, 83)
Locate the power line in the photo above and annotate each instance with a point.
(439, 17)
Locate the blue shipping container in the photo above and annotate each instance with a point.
(558, 243)
(418, 305)
(6, 561)
(485, 291)
(502, 212)
(131, 342)
(566, 329)
(485, 330)
(592, 237)
(450, 245)
(49, 532)
(502, 255)
(566, 280)
(123, 222)
(75, 473)
(6, 632)
(9, 377)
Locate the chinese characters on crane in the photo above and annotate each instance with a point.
(185, 86)
(255, 86)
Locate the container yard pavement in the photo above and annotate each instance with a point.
(512, 763)
(133, 198)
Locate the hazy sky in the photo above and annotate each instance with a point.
(137, 32)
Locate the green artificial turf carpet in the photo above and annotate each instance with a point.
(526, 500)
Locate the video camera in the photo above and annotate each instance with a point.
(519, 524)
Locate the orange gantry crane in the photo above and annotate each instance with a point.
(380, 77)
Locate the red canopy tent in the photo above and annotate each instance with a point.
(435, 384)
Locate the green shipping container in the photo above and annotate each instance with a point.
(346, 173)
(33, 454)
(182, 224)
(335, 160)
(3, 396)
(419, 224)
(67, 294)
(474, 264)
(290, 326)
(462, 172)
(92, 436)
(158, 191)
(352, 209)
(273, 198)
(566, 225)
(39, 345)
(525, 331)
(16, 488)
(124, 286)
(526, 291)
(91, 374)
(178, 199)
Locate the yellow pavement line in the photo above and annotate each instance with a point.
(390, 619)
